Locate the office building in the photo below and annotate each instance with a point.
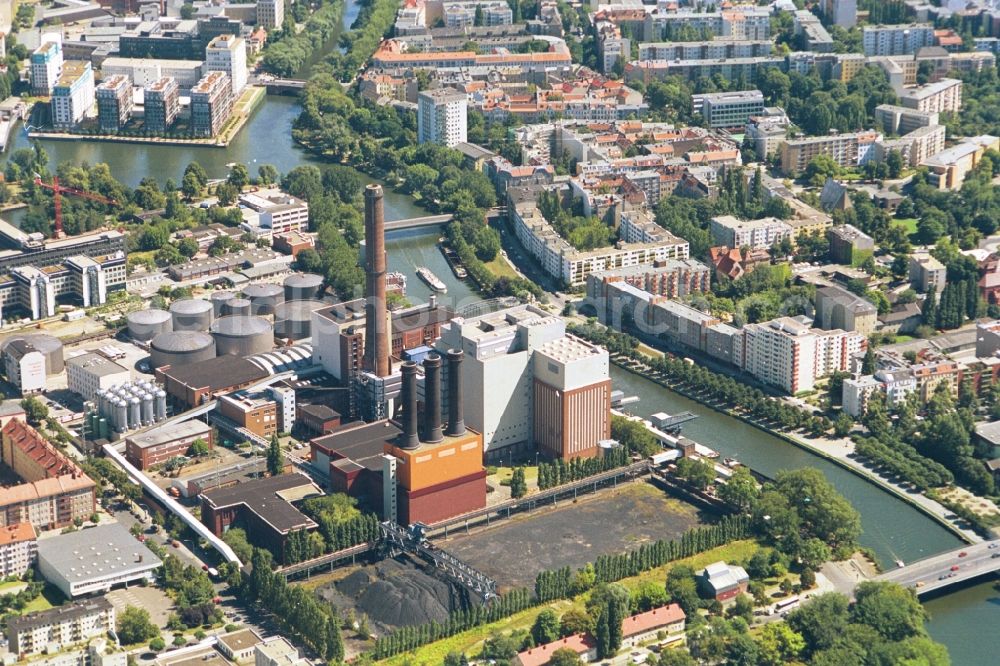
(890, 40)
(228, 53)
(732, 109)
(239, 645)
(162, 102)
(755, 234)
(255, 412)
(162, 40)
(938, 97)
(61, 627)
(839, 308)
(143, 72)
(442, 117)
(271, 14)
(276, 651)
(278, 212)
(54, 492)
(114, 103)
(24, 366)
(46, 67)
(263, 507)
(160, 444)
(73, 94)
(95, 559)
(18, 549)
(89, 373)
(211, 104)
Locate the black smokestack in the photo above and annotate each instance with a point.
(456, 408)
(376, 359)
(432, 398)
(409, 396)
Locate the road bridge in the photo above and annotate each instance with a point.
(419, 222)
(284, 86)
(946, 569)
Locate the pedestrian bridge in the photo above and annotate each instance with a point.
(946, 569)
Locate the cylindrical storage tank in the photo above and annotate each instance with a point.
(161, 405)
(218, 299)
(102, 428)
(302, 286)
(242, 336)
(134, 413)
(191, 314)
(293, 319)
(236, 307)
(147, 409)
(264, 298)
(181, 348)
(50, 347)
(121, 416)
(144, 325)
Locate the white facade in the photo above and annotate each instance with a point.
(277, 651)
(89, 373)
(46, 66)
(18, 548)
(887, 40)
(756, 234)
(61, 627)
(284, 398)
(442, 117)
(278, 213)
(74, 95)
(228, 54)
(270, 13)
(857, 392)
(25, 367)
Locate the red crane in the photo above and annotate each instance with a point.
(57, 192)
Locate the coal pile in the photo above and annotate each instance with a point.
(395, 593)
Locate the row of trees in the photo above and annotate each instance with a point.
(558, 472)
(373, 23)
(287, 55)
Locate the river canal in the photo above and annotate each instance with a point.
(964, 620)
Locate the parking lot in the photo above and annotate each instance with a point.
(152, 599)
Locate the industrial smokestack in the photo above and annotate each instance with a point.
(409, 396)
(376, 333)
(456, 408)
(432, 398)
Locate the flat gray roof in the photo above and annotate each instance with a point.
(95, 553)
(170, 433)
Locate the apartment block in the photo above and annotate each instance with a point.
(270, 13)
(73, 94)
(927, 273)
(727, 110)
(46, 67)
(756, 234)
(947, 169)
(837, 308)
(841, 12)
(114, 103)
(893, 119)
(61, 627)
(162, 100)
(812, 33)
(848, 149)
(673, 278)
(715, 49)
(211, 104)
(442, 117)
(938, 97)
(228, 53)
(18, 549)
(732, 69)
(889, 40)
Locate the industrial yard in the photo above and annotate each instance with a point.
(574, 533)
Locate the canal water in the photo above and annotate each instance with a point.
(892, 528)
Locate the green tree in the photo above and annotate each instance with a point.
(683, 589)
(699, 473)
(239, 177)
(199, 447)
(134, 626)
(740, 490)
(779, 644)
(518, 485)
(34, 410)
(564, 656)
(275, 457)
(546, 627)
(893, 611)
(267, 174)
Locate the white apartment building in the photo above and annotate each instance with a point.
(938, 97)
(841, 12)
(46, 66)
(60, 627)
(89, 373)
(888, 40)
(728, 109)
(270, 13)
(73, 95)
(756, 234)
(856, 393)
(442, 117)
(18, 549)
(278, 212)
(787, 353)
(228, 54)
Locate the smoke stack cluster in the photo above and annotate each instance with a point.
(411, 440)
(456, 409)
(376, 358)
(432, 399)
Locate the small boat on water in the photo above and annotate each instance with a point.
(433, 281)
(453, 261)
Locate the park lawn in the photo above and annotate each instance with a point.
(909, 223)
(530, 473)
(501, 268)
(49, 598)
(649, 351)
(469, 642)
(12, 586)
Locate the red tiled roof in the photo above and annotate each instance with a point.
(650, 620)
(539, 656)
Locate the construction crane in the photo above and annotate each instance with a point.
(57, 192)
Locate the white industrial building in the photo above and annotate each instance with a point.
(89, 373)
(275, 212)
(24, 366)
(95, 559)
(442, 117)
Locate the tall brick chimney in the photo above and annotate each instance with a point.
(376, 358)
